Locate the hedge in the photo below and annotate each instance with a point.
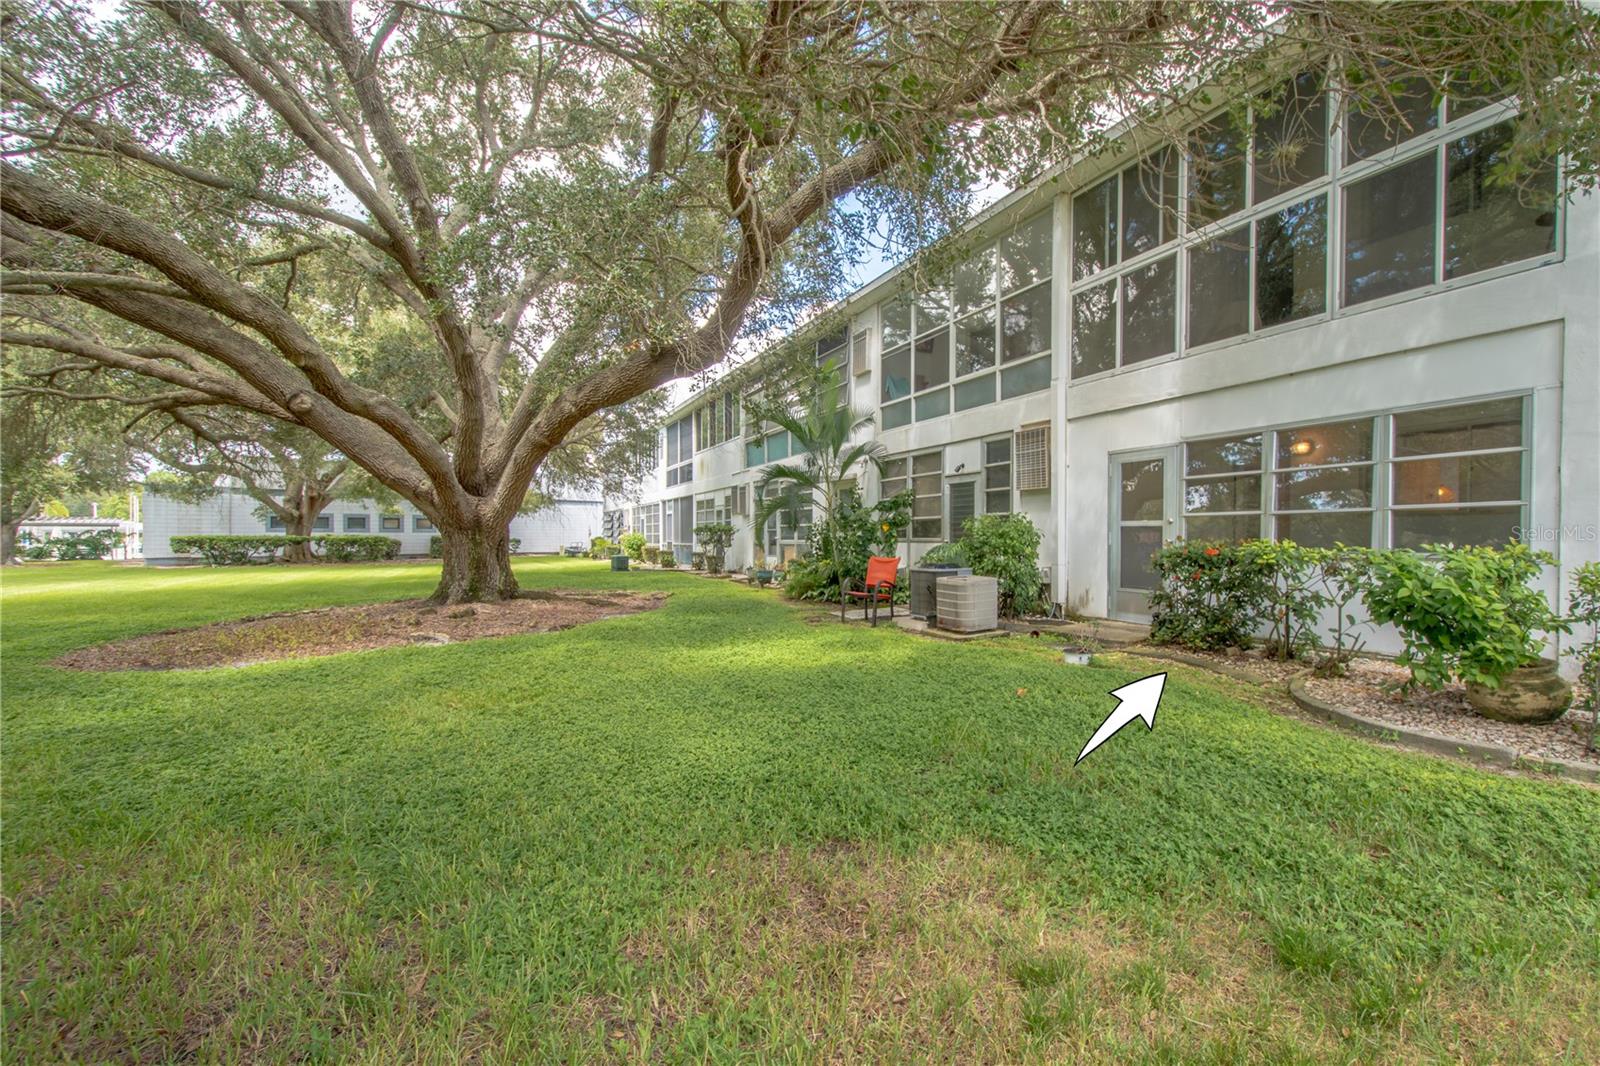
(97, 544)
(234, 549)
(356, 547)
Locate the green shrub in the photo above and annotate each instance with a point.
(946, 554)
(1583, 609)
(1208, 595)
(356, 547)
(652, 554)
(716, 537)
(92, 544)
(1006, 547)
(599, 548)
(234, 549)
(633, 545)
(1467, 613)
(859, 532)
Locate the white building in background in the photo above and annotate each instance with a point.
(564, 523)
(1363, 341)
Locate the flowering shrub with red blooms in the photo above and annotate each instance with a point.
(1209, 595)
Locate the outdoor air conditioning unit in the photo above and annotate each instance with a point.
(924, 594)
(969, 604)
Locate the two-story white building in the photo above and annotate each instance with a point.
(1319, 327)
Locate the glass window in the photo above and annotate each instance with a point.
(927, 485)
(1025, 253)
(975, 342)
(1473, 427)
(1150, 203)
(391, 523)
(974, 392)
(1488, 224)
(1393, 118)
(323, 523)
(1222, 455)
(1291, 138)
(1025, 324)
(1094, 330)
(1389, 231)
(1324, 468)
(1025, 378)
(1143, 491)
(778, 446)
(1291, 263)
(1457, 475)
(932, 310)
(1217, 169)
(1094, 228)
(896, 374)
(895, 415)
(972, 285)
(896, 322)
(932, 404)
(932, 361)
(1149, 311)
(356, 523)
(997, 476)
(275, 524)
(419, 523)
(755, 452)
(1219, 287)
(1222, 488)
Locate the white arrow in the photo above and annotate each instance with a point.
(1136, 699)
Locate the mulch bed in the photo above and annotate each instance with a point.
(331, 630)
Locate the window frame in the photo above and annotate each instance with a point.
(994, 306)
(1338, 175)
(1383, 509)
(345, 520)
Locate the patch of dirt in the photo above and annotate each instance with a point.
(331, 630)
(1371, 689)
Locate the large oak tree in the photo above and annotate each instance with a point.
(583, 201)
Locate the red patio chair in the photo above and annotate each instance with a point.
(879, 586)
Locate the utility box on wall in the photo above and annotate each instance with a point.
(969, 604)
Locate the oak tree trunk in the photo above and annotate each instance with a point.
(477, 565)
(300, 527)
(8, 542)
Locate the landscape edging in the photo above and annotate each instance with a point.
(1415, 739)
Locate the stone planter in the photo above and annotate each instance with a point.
(1531, 693)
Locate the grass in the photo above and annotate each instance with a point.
(728, 830)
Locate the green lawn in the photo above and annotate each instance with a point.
(726, 830)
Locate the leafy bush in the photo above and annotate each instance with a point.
(1467, 613)
(1208, 595)
(356, 547)
(859, 532)
(234, 549)
(599, 548)
(1583, 608)
(1006, 547)
(92, 544)
(716, 536)
(651, 553)
(946, 554)
(632, 545)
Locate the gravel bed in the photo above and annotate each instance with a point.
(1371, 690)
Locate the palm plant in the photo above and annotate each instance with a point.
(821, 432)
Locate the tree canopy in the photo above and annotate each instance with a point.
(574, 204)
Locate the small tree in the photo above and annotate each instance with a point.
(716, 537)
(822, 435)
